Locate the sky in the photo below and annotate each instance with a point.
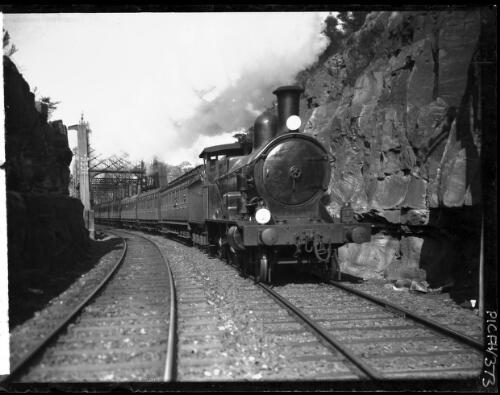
(162, 85)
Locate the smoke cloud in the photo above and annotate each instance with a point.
(235, 107)
(164, 84)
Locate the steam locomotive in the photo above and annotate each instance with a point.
(259, 205)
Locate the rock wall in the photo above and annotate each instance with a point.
(398, 109)
(44, 225)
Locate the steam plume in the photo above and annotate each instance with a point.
(236, 106)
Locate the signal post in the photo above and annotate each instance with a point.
(83, 163)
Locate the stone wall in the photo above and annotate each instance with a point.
(398, 109)
(45, 226)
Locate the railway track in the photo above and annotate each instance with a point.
(124, 330)
(381, 339)
(229, 328)
(318, 331)
(221, 317)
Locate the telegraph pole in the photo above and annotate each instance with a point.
(83, 161)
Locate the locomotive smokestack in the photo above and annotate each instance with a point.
(288, 106)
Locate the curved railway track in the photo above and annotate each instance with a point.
(128, 331)
(383, 340)
(345, 333)
(124, 330)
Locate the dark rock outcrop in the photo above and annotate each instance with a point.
(45, 226)
(398, 108)
(37, 152)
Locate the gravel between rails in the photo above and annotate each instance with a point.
(258, 346)
(227, 335)
(230, 329)
(438, 307)
(25, 336)
(393, 345)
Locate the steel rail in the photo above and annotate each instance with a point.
(364, 367)
(35, 351)
(169, 370)
(407, 313)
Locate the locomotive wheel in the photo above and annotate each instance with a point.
(221, 250)
(334, 267)
(246, 262)
(242, 262)
(233, 257)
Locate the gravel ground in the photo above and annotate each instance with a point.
(25, 336)
(438, 307)
(133, 309)
(32, 288)
(388, 342)
(233, 331)
(255, 334)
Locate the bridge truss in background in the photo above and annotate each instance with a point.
(111, 178)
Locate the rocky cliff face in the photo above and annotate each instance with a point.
(37, 152)
(45, 226)
(398, 108)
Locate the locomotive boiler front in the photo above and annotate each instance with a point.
(293, 169)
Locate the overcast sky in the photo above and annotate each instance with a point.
(165, 84)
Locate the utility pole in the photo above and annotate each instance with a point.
(83, 161)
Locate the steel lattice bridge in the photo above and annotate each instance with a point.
(113, 177)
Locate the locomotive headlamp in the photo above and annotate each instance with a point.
(262, 215)
(293, 122)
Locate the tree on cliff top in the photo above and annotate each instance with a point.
(332, 30)
(343, 24)
(339, 27)
(352, 20)
(51, 105)
(8, 50)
